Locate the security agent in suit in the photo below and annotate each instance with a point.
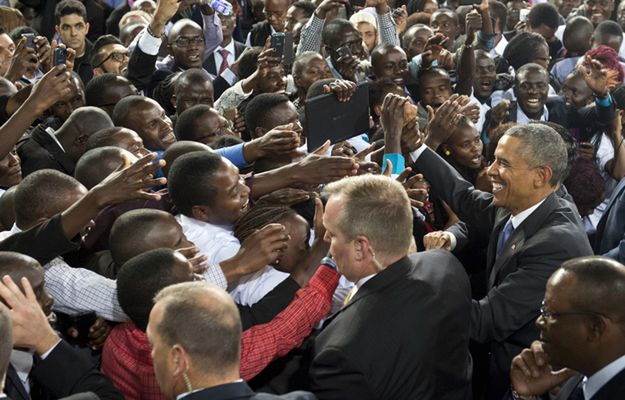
(582, 329)
(57, 370)
(610, 235)
(404, 330)
(530, 232)
(61, 150)
(194, 330)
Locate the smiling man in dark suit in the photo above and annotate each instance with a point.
(403, 332)
(229, 50)
(582, 329)
(529, 229)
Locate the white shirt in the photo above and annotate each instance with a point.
(605, 153)
(594, 383)
(218, 243)
(521, 118)
(227, 74)
(499, 48)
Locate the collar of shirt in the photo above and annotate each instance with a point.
(521, 118)
(594, 383)
(22, 361)
(229, 47)
(52, 134)
(196, 224)
(185, 394)
(359, 284)
(522, 216)
(500, 47)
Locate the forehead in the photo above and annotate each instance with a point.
(347, 34)
(5, 40)
(434, 79)
(364, 26)
(332, 210)
(187, 29)
(316, 62)
(114, 47)
(484, 60)
(444, 16)
(533, 76)
(126, 135)
(195, 87)
(394, 54)
(71, 19)
(276, 5)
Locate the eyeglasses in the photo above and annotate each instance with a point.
(119, 57)
(277, 14)
(550, 316)
(184, 41)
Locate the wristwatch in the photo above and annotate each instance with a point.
(329, 262)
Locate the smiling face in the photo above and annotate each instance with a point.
(148, 119)
(598, 10)
(512, 178)
(531, 90)
(315, 69)
(232, 198)
(392, 64)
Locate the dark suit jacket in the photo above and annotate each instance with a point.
(41, 151)
(552, 234)
(569, 117)
(259, 33)
(613, 389)
(240, 391)
(63, 373)
(610, 236)
(220, 85)
(404, 335)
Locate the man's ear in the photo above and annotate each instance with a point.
(179, 360)
(543, 176)
(87, 27)
(172, 100)
(259, 131)
(363, 248)
(97, 71)
(202, 213)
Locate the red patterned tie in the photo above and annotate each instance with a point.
(224, 60)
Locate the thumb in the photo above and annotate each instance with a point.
(323, 149)
(430, 113)
(404, 8)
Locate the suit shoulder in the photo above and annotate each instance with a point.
(299, 395)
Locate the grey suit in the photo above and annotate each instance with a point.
(517, 277)
(610, 237)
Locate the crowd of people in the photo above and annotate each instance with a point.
(169, 231)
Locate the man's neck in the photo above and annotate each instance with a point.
(81, 51)
(226, 42)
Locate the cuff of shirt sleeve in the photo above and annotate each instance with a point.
(229, 76)
(325, 281)
(605, 102)
(417, 153)
(452, 241)
(47, 353)
(215, 274)
(148, 43)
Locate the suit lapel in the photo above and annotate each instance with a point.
(43, 138)
(14, 388)
(209, 64)
(527, 228)
(615, 195)
(383, 279)
(569, 386)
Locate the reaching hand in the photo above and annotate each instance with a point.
(24, 60)
(197, 259)
(499, 114)
(531, 374)
(342, 89)
(54, 86)
(400, 16)
(443, 122)
(130, 183)
(263, 247)
(316, 169)
(328, 5)
(437, 240)
(473, 22)
(280, 140)
(98, 332)
(392, 121)
(595, 75)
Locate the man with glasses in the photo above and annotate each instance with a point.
(109, 56)
(582, 325)
(275, 14)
